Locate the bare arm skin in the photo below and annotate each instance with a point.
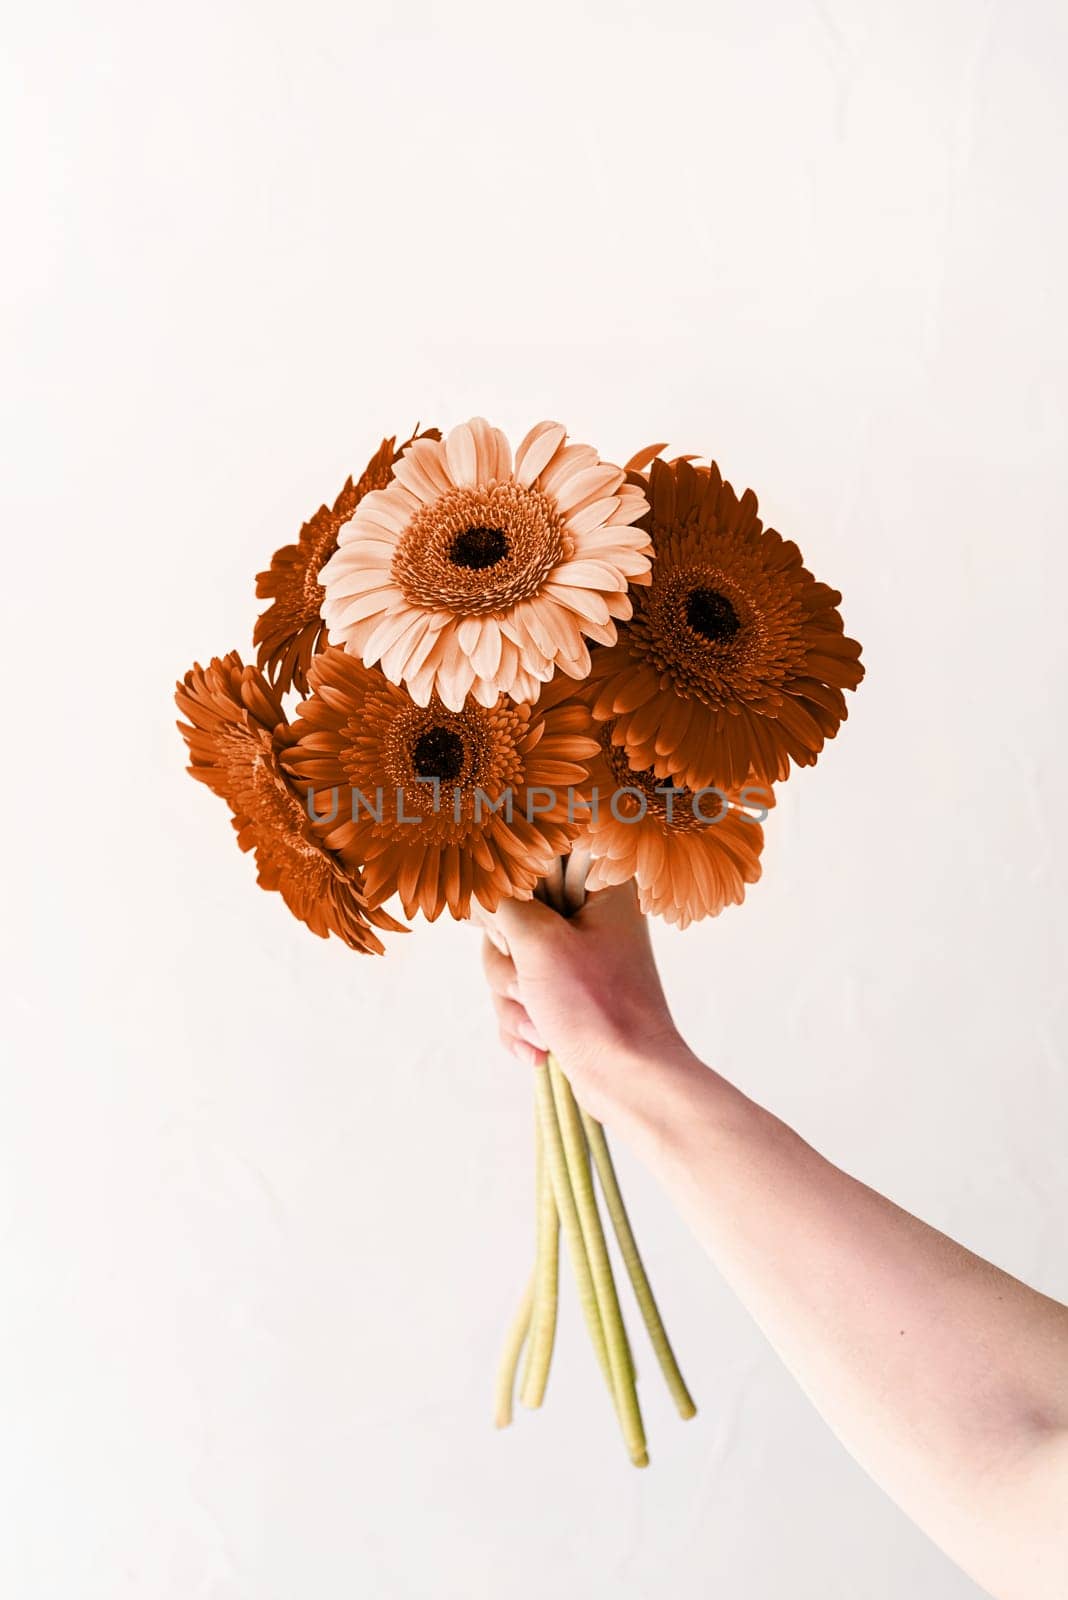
(943, 1376)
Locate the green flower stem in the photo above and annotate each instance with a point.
(556, 1162)
(628, 1247)
(513, 1346)
(539, 1351)
(611, 1318)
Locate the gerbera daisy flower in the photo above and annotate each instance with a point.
(235, 733)
(471, 575)
(690, 854)
(748, 644)
(419, 795)
(291, 630)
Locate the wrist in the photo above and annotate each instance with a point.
(648, 1088)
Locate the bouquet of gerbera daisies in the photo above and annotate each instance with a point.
(525, 675)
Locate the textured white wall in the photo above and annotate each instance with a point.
(265, 1205)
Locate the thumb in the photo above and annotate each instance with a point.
(530, 930)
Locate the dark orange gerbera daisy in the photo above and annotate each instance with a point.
(690, 854)
(440, 807)
(291, 630)
(734, 661)
(235, 733)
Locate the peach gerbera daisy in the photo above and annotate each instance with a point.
(469, 574)
(371, 756)
(735, 660)
(235, 733)
(689, 855)
(291, 630)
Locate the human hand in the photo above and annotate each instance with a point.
(584, 986)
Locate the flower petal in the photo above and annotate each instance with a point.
(462, 456)
(537, 450)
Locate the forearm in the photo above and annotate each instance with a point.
(946, 1378)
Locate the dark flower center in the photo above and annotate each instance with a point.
(478, 548)
(711, 614)
(438, 753)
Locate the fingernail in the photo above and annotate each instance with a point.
(530, 1033)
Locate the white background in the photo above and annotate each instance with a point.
(265, 1205)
